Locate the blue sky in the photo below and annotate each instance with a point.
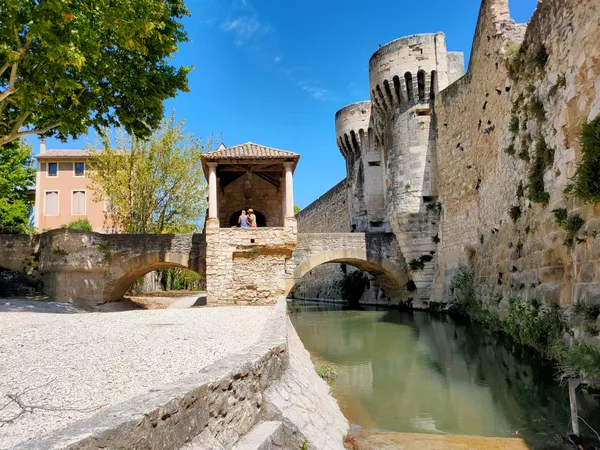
(275, 72)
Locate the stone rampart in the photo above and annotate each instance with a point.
(508, 143)
(327, 214)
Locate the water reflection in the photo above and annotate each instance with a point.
(417, 372)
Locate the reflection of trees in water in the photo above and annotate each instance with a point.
(432, 372)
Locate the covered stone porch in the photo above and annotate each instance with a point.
(250, 176)
(248, 266)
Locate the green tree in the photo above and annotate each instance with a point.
(297, 209)
(69, 65)
(154, 185)
(17, 175)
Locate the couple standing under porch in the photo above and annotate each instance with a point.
(247, 220)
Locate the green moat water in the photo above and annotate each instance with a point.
(419, 372)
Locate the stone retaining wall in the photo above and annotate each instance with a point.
(224, 400)
(485, 164)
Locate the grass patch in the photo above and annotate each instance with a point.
(586, 180)
(326, 372)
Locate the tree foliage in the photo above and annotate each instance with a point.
(297, 209)
(66, 66)
(17, 174)
(154, 185)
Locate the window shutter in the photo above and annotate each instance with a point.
(79, 202)
(51, 203)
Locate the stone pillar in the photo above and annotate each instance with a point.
(213, 217)
(290, 220)
(282, 188)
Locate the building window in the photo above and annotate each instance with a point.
(79, 169)
(52, 169)
(51, 203)
(78, 207)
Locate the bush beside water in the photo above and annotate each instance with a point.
(540, 327)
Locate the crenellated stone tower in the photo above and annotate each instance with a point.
(389, 144)
(364, 170)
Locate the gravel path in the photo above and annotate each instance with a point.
(93, 360)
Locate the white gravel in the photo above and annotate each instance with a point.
(95, 360)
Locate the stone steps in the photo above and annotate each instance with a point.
(263, 436)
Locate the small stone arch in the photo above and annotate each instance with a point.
(392, 277)
(134, 268)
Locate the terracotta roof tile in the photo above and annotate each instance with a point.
(62, 154)
(249, 150)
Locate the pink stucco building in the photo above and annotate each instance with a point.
(62, 192)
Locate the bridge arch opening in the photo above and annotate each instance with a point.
(347, 275)
(136, 268)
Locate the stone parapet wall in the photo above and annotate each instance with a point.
(247, 266)
(327, 214)
(481, 175)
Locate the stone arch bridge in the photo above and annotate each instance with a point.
(253, 266)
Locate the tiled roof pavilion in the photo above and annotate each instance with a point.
(245, 153)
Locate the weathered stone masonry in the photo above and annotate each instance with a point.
(457, 147)
(479, 181)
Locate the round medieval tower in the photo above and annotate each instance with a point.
(405, 76)
(364, 171)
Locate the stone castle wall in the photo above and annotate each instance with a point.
(484, 163)
(327, 214)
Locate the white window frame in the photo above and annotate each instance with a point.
(48, 169)
(75, 171)
(84, 202)
(57, 203)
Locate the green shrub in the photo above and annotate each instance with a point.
(510, 150)
(514, 212)
(543, 157)
(536, 107)
(580, 361)
(560, 215)
(586, 180)
(534, 326)
(81, 224)
(465, 302)
(572, 224)
(513, 125)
